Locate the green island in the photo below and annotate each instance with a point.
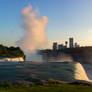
(11, 52)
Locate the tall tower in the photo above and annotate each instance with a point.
(71, 42)
(55, 46)
(66, 44)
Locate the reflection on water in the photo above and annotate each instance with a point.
(9, 71)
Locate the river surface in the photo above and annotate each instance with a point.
(13, 71)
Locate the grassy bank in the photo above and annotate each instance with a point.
(46, 88)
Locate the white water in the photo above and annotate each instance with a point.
(64, 71)
(80, 73)
(71, 71)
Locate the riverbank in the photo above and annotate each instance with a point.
(63, 87)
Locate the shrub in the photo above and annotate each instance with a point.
(6, 84)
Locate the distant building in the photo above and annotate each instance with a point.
(71, 42)
(66, 44)
(76, 45)
(61, 46)
(55, 46)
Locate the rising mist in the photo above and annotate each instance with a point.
(34, 30)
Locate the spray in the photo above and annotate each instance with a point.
(34, 30)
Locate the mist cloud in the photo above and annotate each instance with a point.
(34, 29)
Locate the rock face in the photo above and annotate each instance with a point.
(81, 54)
(64, 71)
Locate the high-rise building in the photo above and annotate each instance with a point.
(76, 45)
(66, 44)
(55, 45)
(71, 42)
(60, 46)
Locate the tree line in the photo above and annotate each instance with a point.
(11, 51)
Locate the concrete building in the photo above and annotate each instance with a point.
(66, 44)
(76, 45)
(61, 47)
(55, 46)
(71, 42)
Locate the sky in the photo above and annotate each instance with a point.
(66, 18)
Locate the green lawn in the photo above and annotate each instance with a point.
(50, 88)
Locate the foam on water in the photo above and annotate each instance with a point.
(64, 71)
(80, 73)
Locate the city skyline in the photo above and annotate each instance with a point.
(71, 43)
(70, 18)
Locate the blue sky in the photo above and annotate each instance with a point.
(67, 18)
